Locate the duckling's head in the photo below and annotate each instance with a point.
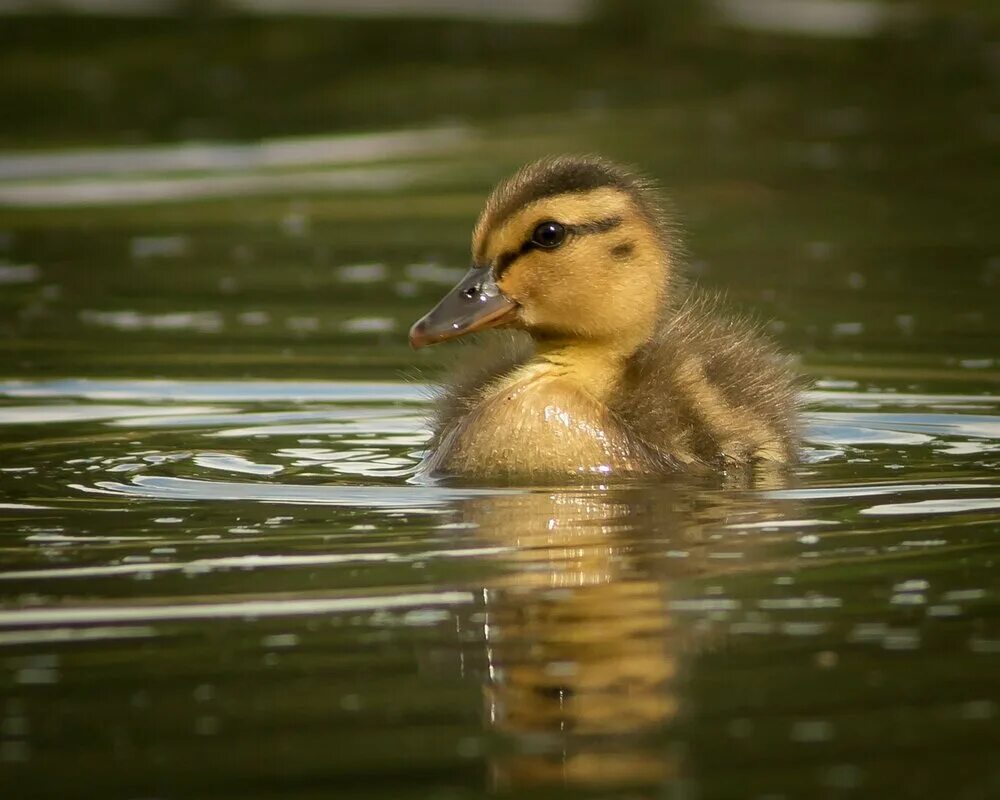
(568, 249)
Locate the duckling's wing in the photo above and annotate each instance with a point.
(477, 364)
(710, 388)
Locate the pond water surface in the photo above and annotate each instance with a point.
(233, 588)
(219, 574)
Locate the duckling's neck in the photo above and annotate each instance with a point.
(594, 367)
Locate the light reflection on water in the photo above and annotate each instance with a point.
(560, 637)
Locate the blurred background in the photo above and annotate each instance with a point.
(271, 188)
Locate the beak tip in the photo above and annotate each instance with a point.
(418, 335)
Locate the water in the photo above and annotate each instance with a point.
(234, 588)
(220, 575)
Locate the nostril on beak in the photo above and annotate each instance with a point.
(471, 293)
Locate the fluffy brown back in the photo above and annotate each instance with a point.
(710, 388)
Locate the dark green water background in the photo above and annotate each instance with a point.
(217, 578)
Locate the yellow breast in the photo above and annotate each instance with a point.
(534, 428)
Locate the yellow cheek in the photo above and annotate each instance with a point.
(543, 279)
(509, 285)
(521, 280)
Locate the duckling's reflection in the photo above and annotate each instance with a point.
(582, 650)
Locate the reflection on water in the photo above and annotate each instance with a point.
(583, 642)
(581, 648)
(195, 575)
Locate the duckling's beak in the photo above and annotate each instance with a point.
(474, 305)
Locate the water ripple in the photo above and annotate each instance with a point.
(245, 609)
(393, 498)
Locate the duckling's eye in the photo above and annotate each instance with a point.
(549, 235)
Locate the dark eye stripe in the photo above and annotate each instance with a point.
(597, 226)
(505, 259)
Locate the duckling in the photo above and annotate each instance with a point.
(626, 370)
